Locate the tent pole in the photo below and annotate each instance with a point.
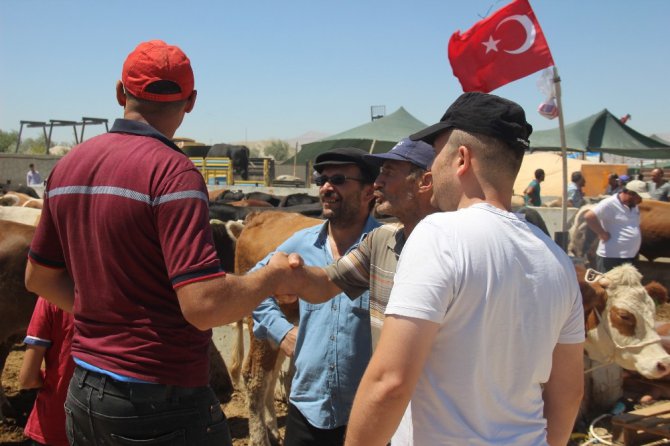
(372, 147)
(295, 157)
(564, 206)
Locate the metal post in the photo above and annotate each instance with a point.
(18, 141)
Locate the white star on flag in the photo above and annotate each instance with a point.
(491, 44)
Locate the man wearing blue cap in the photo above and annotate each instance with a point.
(403, 190)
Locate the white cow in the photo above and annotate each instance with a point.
(619, 317)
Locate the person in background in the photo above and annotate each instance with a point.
(332, 344)
(47, 340)
(33, 177)
(660, 187)
(124, 242)
(476, 285)
(575, 190)
(616, 222)
(532, 193)
(613, 185)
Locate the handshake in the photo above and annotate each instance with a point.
(293, 278)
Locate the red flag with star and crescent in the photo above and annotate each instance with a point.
(499, 49)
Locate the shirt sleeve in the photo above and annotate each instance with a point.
(45, 248)
(182, 221)
(603, 212)
(425, 281)
(573, 329)
(41, 323)
(351, 273)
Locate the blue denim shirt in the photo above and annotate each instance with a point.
(334, 344)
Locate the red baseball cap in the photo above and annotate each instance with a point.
(157, 61)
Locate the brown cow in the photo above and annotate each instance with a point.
(17, 198)
(16, 303)
(262, 233)
(655, 228)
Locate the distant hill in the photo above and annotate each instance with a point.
(305, 138)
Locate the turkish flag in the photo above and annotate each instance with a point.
(499, 49)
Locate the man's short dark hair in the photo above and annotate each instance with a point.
(576, 176)
(539, 173)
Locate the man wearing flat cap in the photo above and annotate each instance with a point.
(124, 243)
(331, 345)
(403, 189)
(484, 325)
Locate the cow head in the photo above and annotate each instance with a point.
(619, 316)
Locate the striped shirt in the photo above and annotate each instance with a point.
(371, 266)
(126, 212)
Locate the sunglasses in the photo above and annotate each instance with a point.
(336, 180)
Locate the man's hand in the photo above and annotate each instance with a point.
(288, 343)
(604, 236)
(293, 266)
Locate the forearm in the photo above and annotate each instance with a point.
(594, 224)
(378, 408)
(30, 375)
(315, 286)
(560, 410)
(563, 392)
(222, 300)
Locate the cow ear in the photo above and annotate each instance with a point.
(604, 282)
(657, 292)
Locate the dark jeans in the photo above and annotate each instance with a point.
(300, 433)
(101, 411)
(604, 264)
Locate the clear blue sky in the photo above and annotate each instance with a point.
(268, 69)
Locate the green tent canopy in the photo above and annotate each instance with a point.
(602, 132)
(378, 136)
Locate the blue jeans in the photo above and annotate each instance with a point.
(101, 411)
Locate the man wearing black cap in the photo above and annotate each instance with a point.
(403, 190)
(332, 344)
(484, 326)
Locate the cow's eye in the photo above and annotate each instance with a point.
(623, 321)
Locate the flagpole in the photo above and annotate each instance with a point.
(561, 128)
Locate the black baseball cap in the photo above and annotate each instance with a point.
(483, 113)
(347, 155)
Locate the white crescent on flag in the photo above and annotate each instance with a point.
(528, 26)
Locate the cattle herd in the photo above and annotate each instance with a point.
(619, 309)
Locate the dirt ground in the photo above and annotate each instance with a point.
(11, 430)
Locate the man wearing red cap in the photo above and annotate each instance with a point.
(124, 243)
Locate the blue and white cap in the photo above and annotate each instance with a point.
(419, 153)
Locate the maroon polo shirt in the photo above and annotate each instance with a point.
(127, 214)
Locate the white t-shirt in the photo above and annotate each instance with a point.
(623, 224)
(504, 294)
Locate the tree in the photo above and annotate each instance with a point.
(277, 149)
(254, 152)
(8, 140)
